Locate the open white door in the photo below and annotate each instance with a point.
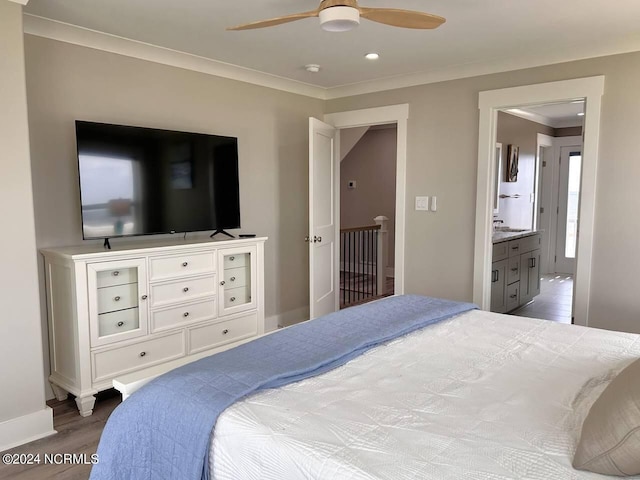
(323, 221)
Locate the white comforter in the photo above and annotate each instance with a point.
(480, 396)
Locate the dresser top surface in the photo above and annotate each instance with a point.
(94, 250)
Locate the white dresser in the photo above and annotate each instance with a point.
(113, 312)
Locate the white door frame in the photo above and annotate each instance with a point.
(398, 114)
(490, 102)
(544, 197)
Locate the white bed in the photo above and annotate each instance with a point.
(479, 396)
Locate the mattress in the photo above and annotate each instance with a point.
(478, 396)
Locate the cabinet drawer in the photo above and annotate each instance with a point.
(117, 297)
(184, 290)
(212, 335)
(513, 270)
(515, 247)
(513, 296)
(117, 276)
(174, 317)
(235, 277)
(120, 360)
(237, 296)
(500, 251)
(121, 321)
(179, 265)
(236, 260)
(528, 244)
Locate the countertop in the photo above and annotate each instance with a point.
(499, 237)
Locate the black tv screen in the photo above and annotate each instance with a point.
(140, 181)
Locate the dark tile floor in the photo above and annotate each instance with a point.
(554, 302)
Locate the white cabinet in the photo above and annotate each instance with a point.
(113, 312)
(515, 273)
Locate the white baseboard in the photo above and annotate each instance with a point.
(25, 429)
(286, 319)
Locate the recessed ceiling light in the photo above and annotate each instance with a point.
(372, 56)
(581, 114)
(312, 68)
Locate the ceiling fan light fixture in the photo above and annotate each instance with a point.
(339, 19)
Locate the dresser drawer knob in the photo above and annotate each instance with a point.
(144, 297)
(222, 282)
(117, 299)
(233, 279)
(232, 258)
(225, 331)
(120, 324)
(185, 289)
(142, 354)
(233, 299)
(184, 264)
(116, 273)
(185, 314)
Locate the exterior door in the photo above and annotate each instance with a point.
(568, 205)
(323, 221)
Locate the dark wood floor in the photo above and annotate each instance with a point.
(76, 435)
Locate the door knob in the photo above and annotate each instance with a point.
(317, 239)
(307, 239)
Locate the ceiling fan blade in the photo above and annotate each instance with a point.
(402, 18)
(275, 21)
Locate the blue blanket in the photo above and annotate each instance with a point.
(163, 430)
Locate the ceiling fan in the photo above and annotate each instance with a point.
(343, 15)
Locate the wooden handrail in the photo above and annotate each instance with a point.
(360, 229)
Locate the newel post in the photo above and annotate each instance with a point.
(383, 253)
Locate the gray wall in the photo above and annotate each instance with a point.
(442, 160)
(512, 130)
(20, 332)
(372, 164)
(67, 82)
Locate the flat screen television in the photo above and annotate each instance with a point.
(142, 181)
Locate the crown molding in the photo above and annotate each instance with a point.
(21, 2)
(65, 32)
(628, 44)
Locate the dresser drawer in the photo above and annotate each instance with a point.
(117, 297)
(117, 276)
(121, 321)
(237, 296)
(235, 277)
(209, 336)
(183, 290)
(109, 363)
(515, 247)
(527, 244)
(236, 260)
(177, 316)
(180, 265)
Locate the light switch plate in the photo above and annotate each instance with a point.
(422, 203)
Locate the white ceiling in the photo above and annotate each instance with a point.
(504, 33)
(557, 115)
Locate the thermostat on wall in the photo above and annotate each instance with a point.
(351, 184)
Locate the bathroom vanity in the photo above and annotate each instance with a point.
(515, 272)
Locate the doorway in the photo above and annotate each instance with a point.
(395, 114)
(490, 102)
(367, 213)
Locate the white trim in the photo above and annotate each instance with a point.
(65, 32)
(544, 120)
(286, 319)
(21, 2)
(27, 428)
(398, 114)
(591, 89)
